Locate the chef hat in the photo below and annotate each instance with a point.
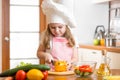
(59, 11)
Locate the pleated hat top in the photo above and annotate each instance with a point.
(59, 11)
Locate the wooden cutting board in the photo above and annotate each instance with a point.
(6, 78)
(60, 73)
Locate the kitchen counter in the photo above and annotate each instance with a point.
(73, 77)
(110, 49)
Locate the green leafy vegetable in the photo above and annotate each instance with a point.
(23, 64)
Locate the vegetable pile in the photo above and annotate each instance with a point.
(83, 71)
(30, 72)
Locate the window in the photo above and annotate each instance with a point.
(24, 31)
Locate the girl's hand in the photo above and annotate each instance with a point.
(48, 57)
(69, 66)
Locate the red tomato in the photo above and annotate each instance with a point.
(84, 66)
(20, 75)
(45, 73)
(82, 69)
(88, 69)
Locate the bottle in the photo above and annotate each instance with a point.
(104, 68)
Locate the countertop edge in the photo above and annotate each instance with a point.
(110, 49)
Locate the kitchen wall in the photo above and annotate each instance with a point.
(0, 35)
(88, 15)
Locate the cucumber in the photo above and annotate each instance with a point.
(12, 72)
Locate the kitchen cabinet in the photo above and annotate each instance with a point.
(101, 1)
(115, 58)
(112, 52)
(90, 55)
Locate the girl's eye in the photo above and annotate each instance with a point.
(52, 27)
(60, 27)
(56, 27)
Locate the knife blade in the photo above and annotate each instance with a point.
(53, 62)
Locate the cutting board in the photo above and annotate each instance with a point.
(61, 73)
(6, 78)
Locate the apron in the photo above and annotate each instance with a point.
(60, 50)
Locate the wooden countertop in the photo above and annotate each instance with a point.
(73, 77)
(110, 49)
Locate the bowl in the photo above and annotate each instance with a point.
(84, 68)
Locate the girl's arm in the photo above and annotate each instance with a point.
(42, 54)
(74, 58)
(75, 55)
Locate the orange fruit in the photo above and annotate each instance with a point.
(35, 74)
(102, 42)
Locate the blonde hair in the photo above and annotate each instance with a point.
(46, 36)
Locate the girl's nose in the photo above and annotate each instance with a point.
(57, 30)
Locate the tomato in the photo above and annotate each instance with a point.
(45, 73)
(20, 75)
(82, 69)
(88, 69)
(85, 68)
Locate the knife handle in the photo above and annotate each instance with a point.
(53, 62)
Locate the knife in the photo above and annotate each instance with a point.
(53, 62)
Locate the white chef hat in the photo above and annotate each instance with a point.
(59, 11)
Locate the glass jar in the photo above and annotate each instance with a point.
(104, 68)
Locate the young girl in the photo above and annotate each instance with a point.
(57, 41)
(57, 44)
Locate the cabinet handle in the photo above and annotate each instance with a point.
(6, 38)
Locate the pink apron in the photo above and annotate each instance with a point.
(60, 50)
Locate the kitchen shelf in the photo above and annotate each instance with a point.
(110, 49)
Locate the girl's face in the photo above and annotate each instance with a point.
(57, 29)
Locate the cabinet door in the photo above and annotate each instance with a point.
(90, 55)
(101, 1)
(115, 58)
(80, 51)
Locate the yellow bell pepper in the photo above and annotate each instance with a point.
(60, 66)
